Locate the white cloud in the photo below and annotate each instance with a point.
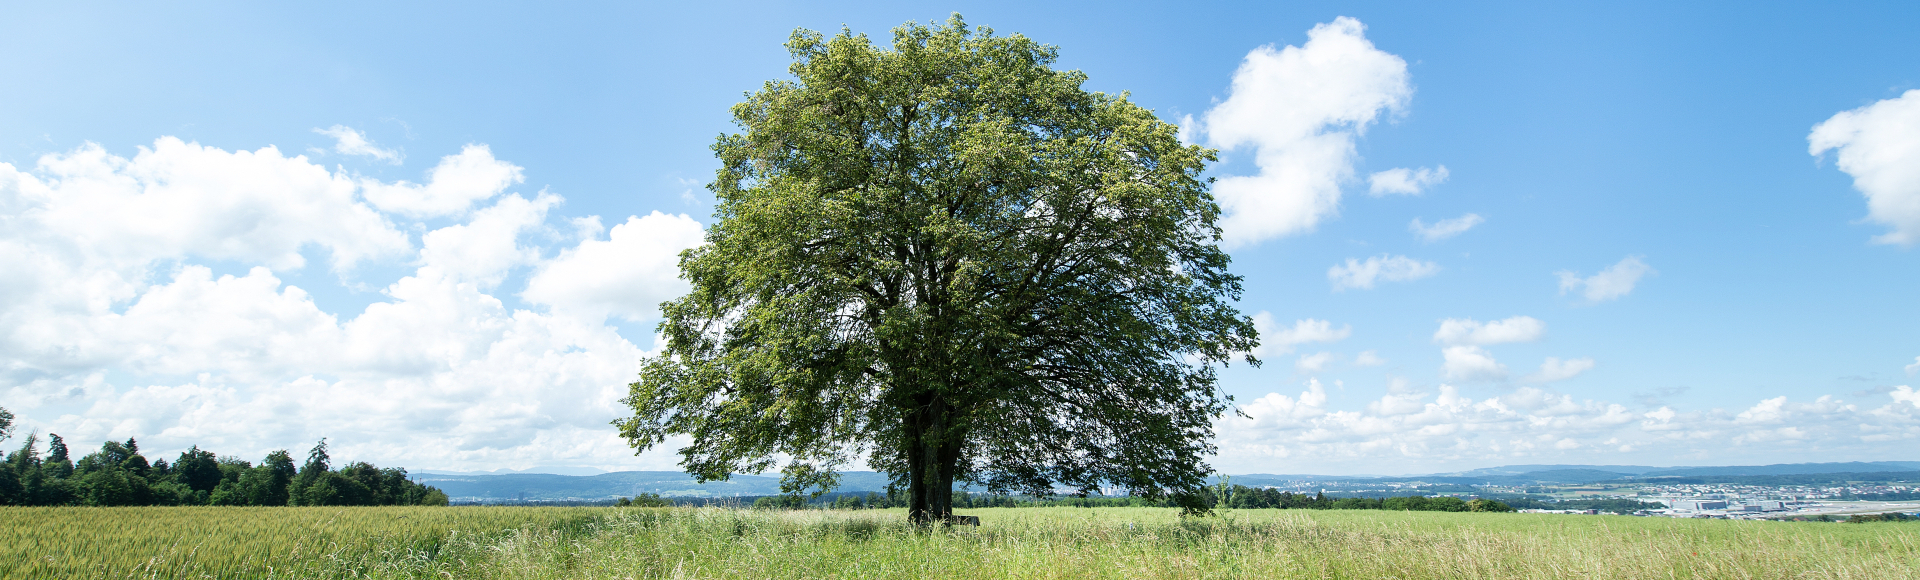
(1414, 431)
(482, 250)
(1471, 363)
(1277, 340)
(349, 141)
(107, 213)
(438, 373)
(1368, 359)
(1358, 274)
(1312, 363)
(453, 186)
(1444, 229)
(1554, 369)
(1301, 109)
(1615, 281)
(627, 275)
(1470, 331)
(1913, 368)
(1879, 145)
(1403, 181)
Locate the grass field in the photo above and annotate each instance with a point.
(539, 543)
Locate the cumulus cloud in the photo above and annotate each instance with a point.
(1444, 229)
(627, 275)
(1913, 368)
(349, 141)
(1300, 108)
(453, 186)
(106, 213)
(1615, 281)
(1403, 181)
(116, 320)
(1416, 431)
(1470, 363)
(482, 250)
(1458, 331)
(1278, 340)
(1363, 275)
(1368, 359)
(1879, 145)
(1554, 369)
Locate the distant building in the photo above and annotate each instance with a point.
(1699, 504)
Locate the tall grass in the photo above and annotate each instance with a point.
(542, 543)
(1156, 543)
(261, 542)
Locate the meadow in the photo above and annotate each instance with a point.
(540, 543)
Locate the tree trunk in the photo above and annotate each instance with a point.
(933, 454)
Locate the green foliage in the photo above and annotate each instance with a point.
(644, 500)
(198, 470)
(1887, 517)
(1618, 506)
(780, 502)
(117, 475)
(954, 259)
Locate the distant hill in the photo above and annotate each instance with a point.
(1562, 474)
(1791, 469)
(1788, 478)
(541, 486)
(1523, 469)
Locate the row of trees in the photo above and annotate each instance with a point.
(1618, 506)
(119, 475)
(1858, 518)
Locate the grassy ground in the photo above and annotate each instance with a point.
(258, 542)
(539, 543)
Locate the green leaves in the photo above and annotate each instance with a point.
(955, 261)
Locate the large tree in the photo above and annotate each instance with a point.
(954, 260)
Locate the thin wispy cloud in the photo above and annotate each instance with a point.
(1403, 181)
(1382, 268)
(1444, 229)
(1611, 283)
(1553, 369)
(1470, 331)
(1278, 340)
(350, 141)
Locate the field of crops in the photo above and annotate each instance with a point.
(261, 542)
(538, 543)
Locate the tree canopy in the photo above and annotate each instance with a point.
(118, 475)
(952, 261)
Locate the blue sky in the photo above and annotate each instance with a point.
(186, 287)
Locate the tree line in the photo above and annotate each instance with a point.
(1618, 506)
(118, 475)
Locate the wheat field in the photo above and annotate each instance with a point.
(542, 543)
